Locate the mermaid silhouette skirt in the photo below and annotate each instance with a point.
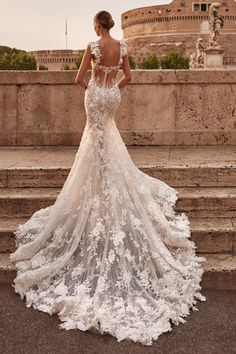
(110, 254)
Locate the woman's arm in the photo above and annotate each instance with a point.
(127, 73)
(83, 68)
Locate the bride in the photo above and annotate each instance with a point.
(110, 255)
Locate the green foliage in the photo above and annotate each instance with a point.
(151, 62)
(174, 60)
(66, 67)
(78, 61)
(16, 59)
(4, 49)
(43, 67)
(131, 62)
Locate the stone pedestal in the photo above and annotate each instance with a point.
(213, 58)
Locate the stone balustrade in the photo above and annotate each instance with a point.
(182, 107)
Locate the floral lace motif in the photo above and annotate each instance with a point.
(124, 47)
(105, 75)
(110, 254)
(95, 50)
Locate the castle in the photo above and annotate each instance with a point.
(160, 29)
(177, 26)
(56, 59)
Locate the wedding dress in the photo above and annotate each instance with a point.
(110, 255)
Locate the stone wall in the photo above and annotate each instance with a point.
(158, 108)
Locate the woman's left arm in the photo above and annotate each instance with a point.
(83, 68)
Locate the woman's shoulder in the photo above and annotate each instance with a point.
(121, 41)
(123, 45)
(92, 43)
(96, 42)
(95, 47)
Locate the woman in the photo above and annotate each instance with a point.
(110, 255)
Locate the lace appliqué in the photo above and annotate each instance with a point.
(95, 50)
(124, 47)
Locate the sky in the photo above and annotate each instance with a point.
(40, 24)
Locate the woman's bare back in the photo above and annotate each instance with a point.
(107, 59)
(110, 52)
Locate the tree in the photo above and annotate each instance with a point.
(43, 67)
(174, 60)
(4, 49)
(131, 61)
(17, 60)
(78, 61)
(151, 62)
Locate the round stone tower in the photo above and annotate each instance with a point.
(177, 26)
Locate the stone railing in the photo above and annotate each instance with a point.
(168, 107)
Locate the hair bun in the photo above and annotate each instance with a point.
(111, 22)
(105, 19)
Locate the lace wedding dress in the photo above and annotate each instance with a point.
(110, 255)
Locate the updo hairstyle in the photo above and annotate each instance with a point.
(105, 19)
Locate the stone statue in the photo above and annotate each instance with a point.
(200, 52)
(216, 22)
(197, 59)
(192, 61)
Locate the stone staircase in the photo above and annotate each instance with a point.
(205, 176)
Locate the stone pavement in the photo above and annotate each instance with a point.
(143, 156)
(211, 330)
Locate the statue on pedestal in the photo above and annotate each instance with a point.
(216, 22)
(197, 59)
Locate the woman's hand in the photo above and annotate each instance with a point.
(82, 83)
(127, 73)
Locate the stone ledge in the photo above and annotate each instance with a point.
(139, 76)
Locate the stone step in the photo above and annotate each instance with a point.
(211, 235)
(178, 166)
(7, 237)
(23, 202)
(7, 269)
(195, 202)
(176, 176)
(219, 271)
(207, 202)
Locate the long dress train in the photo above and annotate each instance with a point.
(110, 254)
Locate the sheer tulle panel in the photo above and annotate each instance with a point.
(105, 77)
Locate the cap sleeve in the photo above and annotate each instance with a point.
(124, 47)
(95, 50)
